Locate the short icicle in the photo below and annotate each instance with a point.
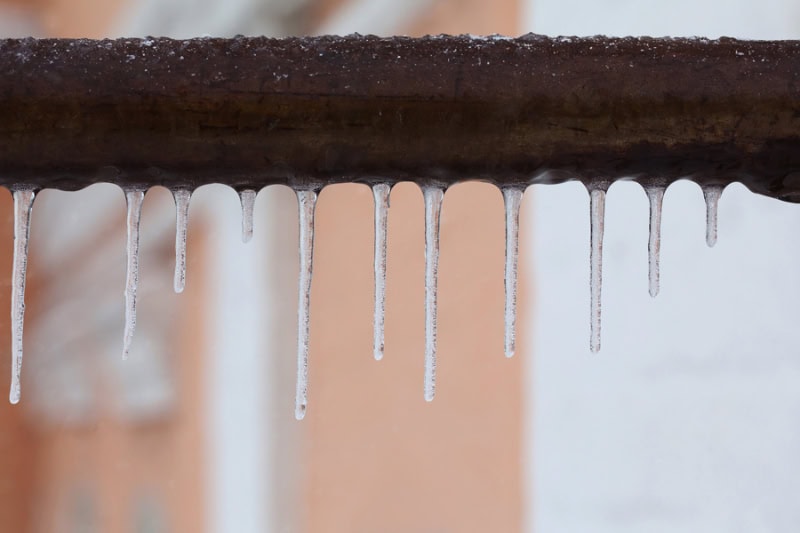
(597, 207)
(512, 197)
(656, 196)
(380, 192)
(711, 193)
(433, 196)
(134, 198)
(306, 200)
(23, 204)
(248, 199)
(182, 198)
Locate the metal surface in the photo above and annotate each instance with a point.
(256, 111)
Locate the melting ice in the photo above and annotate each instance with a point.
(307, 198)
(380, 192)
(182, 198)
(433, 207)
(711, 193)
(656, 196)
(248, 200)
(306, 201)
(134, 198)
(23, 204)
(597, 208)
(512, 197)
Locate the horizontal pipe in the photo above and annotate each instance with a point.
(250, 112)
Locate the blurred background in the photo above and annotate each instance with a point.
(685, 421)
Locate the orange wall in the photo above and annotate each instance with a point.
(380, 458)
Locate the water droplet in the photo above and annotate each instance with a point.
(433, 207)
(656, 196)
(711, 193)
(512, 198)
(306, 200)
(23, 204)
(380, 192)
(182, 198)
(248, 199)
(134, 198)
(597, 208)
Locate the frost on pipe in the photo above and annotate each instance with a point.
(306, 112)
(249, 112)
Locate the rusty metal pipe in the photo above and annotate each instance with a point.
(255, 111)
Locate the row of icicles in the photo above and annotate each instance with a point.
(307, 198)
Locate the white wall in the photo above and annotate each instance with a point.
(687, 419)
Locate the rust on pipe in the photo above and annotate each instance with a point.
(250, 112)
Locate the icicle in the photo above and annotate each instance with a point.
(380, 192)
(711, 193)
(433, 206)
(306, 200)
(248, 199)
(597, 207)
(656, 196)
(134, 198)
(512, 198)
(23, 203)
(182, 198)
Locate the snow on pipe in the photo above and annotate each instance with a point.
(251, 112)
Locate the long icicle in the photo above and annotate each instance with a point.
(182, 198)
(512, 198)
(433, 207)
(597, 208)
(134, 198)
(23, 204)
(380, 192)
(711, 193)
(655, 194)
(248, 199)
(306, 200)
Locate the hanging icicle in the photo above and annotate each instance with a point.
(23, 205)
(433, 196)
(655, 194)
(512, 197)
(597, 208)
(711, 193)
(248, 200)
(380, 193)
(306, 200)
(134, 199)
(182, 198)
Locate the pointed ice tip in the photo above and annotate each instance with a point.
(653, 292)
(509, 353)
(594, 346)
(13, 396)
(378, 353)
(300, 412)
(178, 287)
(429, 397)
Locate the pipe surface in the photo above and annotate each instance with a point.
(250, 112)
